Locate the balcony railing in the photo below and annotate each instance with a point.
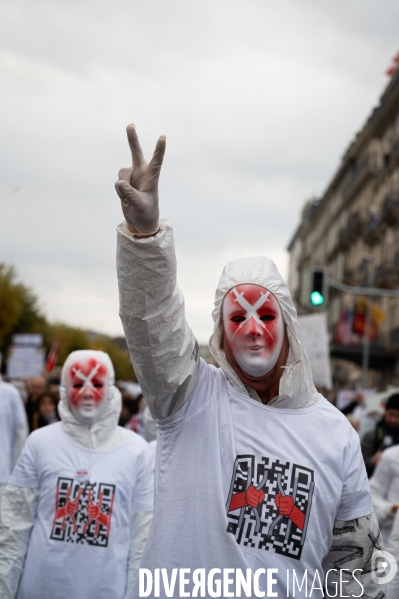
(372, 230)
(387, 276)
(390, 209)
(347, 277)
(351, 231)
(357, 175)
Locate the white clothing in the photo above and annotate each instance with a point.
(392, 547)
(384, 486)
(13, 428)
(220, 443)
(94, 552)
(216, 438)
(28, 507)
(167, 365)
(149, 425)
(153, 450)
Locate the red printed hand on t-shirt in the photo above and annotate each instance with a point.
(286, 507)
(94, 512)
(72, 507)
(251, 497)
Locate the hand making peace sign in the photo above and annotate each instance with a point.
(138, 187)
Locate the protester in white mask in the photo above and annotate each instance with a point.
(13, 429)
(77, 510)
(256, 469)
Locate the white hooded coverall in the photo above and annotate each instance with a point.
(216, 439)
(13, 429)
(50, 548)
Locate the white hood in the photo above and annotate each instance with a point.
(296, 385)
(101, 433)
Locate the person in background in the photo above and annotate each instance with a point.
(36, 387)
(77, 508)
(21, 388)
(384, 485)
(13, 429)
(129, 408)
(385, 434)
(355, 403)
(54, 385)
(392, 546)
(136, 423)
(47, 410)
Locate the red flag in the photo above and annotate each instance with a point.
(359, 326)
(392, 69)
(52, 356)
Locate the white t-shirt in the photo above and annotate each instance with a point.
(80, 540)
(220, 443)
(386, 479)
(12, 415)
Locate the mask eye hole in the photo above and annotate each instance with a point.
(77, 385)
(98, 385)
(238, 319)
(267, 317)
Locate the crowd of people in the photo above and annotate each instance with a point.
(33, 404)
(40, 396)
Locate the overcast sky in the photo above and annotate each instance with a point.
(258, 100)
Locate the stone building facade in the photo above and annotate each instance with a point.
(353, 231)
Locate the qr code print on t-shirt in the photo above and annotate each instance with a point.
(83, 512)
(264, 527)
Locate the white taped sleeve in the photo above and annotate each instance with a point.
(20, 434)
(140, 523)
(352, 549)
(162, 347)
(17, 515)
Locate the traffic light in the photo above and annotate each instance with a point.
(318, 287)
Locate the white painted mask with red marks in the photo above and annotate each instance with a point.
(254, 328)
(87, 381)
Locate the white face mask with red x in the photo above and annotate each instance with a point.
(87, 381)
(254, 328)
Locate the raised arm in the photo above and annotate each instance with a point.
(163, 348)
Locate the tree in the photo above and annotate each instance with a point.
(20, 313)
(19, 309)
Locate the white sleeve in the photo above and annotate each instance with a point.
(17, 515)
(20, 423)
(140, 524)
(379, 486)
(162, 347)
(351, 552)
(355, 496)
(393, 548)
(20, 434)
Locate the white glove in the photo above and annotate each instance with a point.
(138, 187)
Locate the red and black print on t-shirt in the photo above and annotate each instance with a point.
(269, 504)
(83, 512)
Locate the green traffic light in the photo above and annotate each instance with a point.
(316, 298)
